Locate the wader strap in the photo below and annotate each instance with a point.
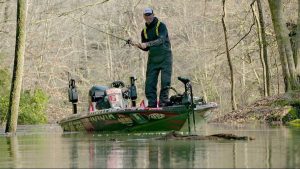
(156, 30)
(157, 25)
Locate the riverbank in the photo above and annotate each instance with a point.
(279, 109)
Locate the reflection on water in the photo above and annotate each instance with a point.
(47, 146)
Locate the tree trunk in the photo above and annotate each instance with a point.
(109, 59)
(297, 46)
(263, 49)
(233, 102)
(16, 84)
(284, 46)
(84, 61)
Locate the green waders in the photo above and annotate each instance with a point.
(153, 69)
(159, 61)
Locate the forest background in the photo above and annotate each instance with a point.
(62, 43)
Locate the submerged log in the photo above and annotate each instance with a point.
(221, 136)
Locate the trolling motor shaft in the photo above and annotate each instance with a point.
(188, 92)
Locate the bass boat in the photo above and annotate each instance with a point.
(114, 109)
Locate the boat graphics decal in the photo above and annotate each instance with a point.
(124, 119)
(102, 117)
(76, 125)
(156, 116)
(87, 124)
(138, 118)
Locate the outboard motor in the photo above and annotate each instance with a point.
(118, 95)
(98, 97)
(115, 96)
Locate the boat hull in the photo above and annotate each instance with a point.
(128, 120)
(170, 118)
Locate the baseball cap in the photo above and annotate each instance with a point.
(148, 11)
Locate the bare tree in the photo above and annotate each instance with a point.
(233, 102)
(284, 46)
(16, 84)
(262, 47)
(297, 46)
(57, 44)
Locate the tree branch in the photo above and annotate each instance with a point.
(137, 4)
(71, 11)
(242, 37)
(82, 7)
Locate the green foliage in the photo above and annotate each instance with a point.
(293, 112)
(4, 93)
(4, 82)
(292, 115)
(4, 101)
(32, 103)
(295, 123)
(32, 107)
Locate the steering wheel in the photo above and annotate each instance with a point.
(118, 84)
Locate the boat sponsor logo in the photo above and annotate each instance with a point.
(113, 91)
(138, 118)
(113, 98)
(124, 119)
(156, 116)
(76, 125)
(102, 117)
(106, 111)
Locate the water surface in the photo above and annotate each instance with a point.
(47, 146)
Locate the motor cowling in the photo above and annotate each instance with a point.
(115, 98)
(98, 95)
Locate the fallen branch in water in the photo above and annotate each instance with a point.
(222, 136)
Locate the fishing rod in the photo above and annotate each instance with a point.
(128, 41)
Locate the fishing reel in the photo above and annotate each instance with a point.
(128, 42)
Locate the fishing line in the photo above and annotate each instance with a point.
(128, 41)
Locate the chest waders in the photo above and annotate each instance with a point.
(158, 62)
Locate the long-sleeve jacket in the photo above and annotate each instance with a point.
(158, 44)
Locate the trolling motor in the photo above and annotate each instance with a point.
(188, 99)
(133, 91)
(73, 95)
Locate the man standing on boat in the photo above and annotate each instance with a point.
(156, 41)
